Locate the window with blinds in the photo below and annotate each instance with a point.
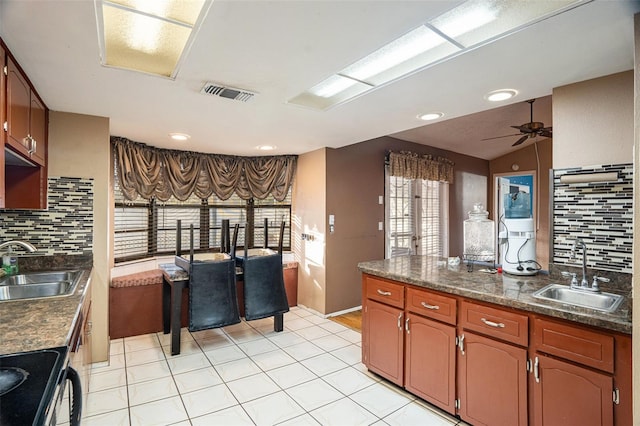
(417, 217)
(145, 228)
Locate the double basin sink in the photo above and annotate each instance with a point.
(37, 285)
(601, 301)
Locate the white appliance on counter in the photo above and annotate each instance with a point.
(518, 237)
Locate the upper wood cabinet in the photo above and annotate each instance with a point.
(25, 123)
(3, 117)
(23, 156)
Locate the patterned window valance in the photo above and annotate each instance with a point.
(414, 166)
(149, 172)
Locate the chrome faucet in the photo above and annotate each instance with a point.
(578, 242)
(28, 246)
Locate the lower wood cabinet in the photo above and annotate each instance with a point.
(492, 381)
(385, 341)
(492, 365)
(566, 394)
(430, 361)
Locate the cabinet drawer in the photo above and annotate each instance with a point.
(384, 291)
(587, 347)
(494, 322)
(431, 305)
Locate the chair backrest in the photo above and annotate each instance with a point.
(212, 295)
(266, 236)
(224, 237)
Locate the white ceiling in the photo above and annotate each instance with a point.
(281, 48)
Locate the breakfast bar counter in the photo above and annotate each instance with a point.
(503, 289)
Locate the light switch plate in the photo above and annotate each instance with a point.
(380, 226)
(380, 199)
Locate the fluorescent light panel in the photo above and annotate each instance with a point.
(469, 25)
(150, 36)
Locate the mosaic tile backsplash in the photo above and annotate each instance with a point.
(66, 227)
(600, 213)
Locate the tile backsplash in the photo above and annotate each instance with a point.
(66, 227)
(600, 213)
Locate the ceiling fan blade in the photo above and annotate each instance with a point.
(498, 137)
(519, 141)
(547, 133)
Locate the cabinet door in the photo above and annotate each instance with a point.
(430, 361)
(492, 380)
(38, 130)
(18, 105)
(3, 118)
(566, 394)
(385, 341)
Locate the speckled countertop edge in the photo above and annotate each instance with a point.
(27, 325)
(501, 289)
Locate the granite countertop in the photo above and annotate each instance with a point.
(501, 289)
(27, 325)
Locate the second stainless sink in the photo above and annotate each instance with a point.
(606, 302)
(35, 285)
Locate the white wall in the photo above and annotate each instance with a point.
(593, 122)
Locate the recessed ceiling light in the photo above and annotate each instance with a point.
(179, 136)
(266, 147)
(501, 95)
(430, 116)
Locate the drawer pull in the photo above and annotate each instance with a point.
(428, 306)
(492, 324)
(384, 293)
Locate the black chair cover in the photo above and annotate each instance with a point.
(264, 291)
(212, 295)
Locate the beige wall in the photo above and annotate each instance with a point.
(593, 122)
(636, 226)
(79, 147)
(528, 159)
(309, 217)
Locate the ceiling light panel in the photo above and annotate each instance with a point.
(150, 36)
(467, 26)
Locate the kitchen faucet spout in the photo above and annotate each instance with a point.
(27, 246)
(578, 242)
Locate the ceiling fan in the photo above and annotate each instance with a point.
(529, 130)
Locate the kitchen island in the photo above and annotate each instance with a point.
(481, 347)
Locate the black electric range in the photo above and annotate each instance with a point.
(29, 384)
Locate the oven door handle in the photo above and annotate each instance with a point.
(76, 397)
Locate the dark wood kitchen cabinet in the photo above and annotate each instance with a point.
(24, 143)
(3, 117)
(25, 124)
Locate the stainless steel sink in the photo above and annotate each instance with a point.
(606, 302)
(37, 285)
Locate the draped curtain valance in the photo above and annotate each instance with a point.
(414, 166)
(149, 172)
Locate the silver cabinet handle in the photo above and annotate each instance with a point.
(406, 326)
(491, 323)
(536, 370)
(428, 306)
(384, 293)
(461, 343)
(400, 321)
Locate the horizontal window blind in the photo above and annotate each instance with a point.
(149, 228)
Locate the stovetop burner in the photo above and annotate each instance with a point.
(11, 378)
(31, 379)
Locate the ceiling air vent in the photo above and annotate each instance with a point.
(216, 89)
